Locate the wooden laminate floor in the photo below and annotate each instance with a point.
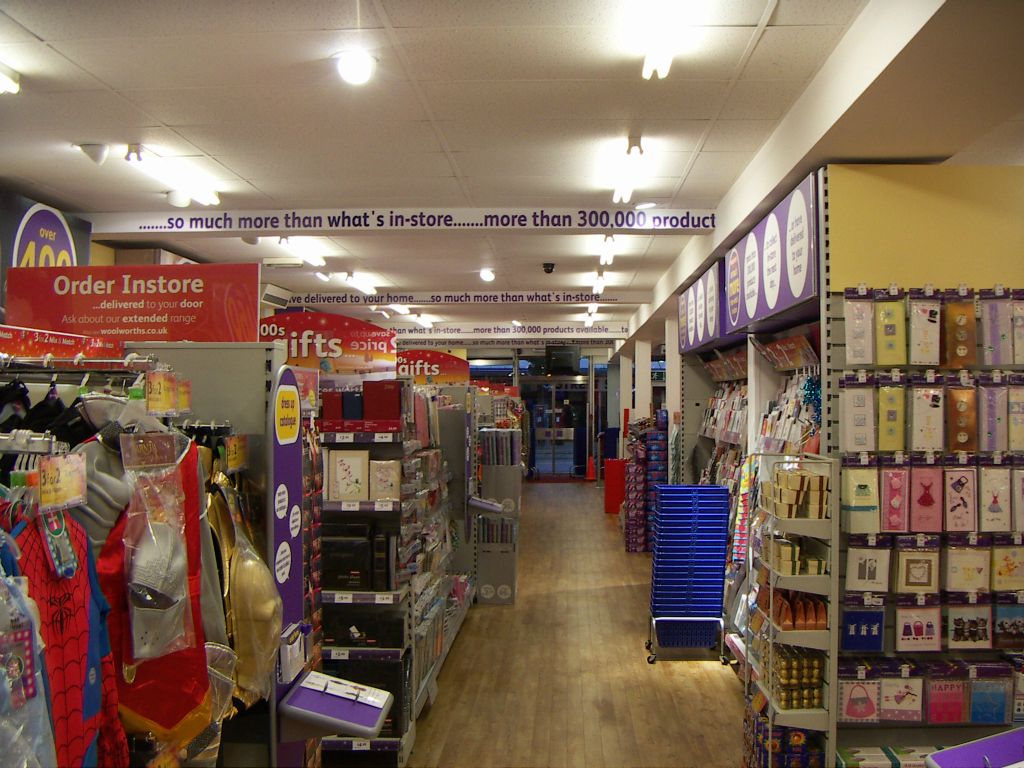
(561, 678)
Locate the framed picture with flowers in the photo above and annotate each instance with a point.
(348, 476)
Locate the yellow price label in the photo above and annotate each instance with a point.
(237, 449)
(62, 481)
(184, 395)
(161, 393)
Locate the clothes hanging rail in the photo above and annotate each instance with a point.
(24, 441)
(133, 362)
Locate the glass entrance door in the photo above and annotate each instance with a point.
(558, 413)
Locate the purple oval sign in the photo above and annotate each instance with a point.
(44, 240)
(733, 285)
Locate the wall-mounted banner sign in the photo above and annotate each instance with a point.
(206, 302)
(332, 221)
(428, 298)
(36, 235)
(700, 316)
(434, 366)
(542, 333)
(333, 344)
(27, 342)
(775, 267)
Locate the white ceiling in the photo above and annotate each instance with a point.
(496, 103)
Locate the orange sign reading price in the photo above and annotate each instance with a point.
(162, 393)
(62, 481)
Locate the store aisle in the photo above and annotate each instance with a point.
(561, 678)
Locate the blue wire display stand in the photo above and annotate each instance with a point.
(688, 569)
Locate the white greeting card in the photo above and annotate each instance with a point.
(348, 475)
(385, 480)
(996, 331)
(968, 569)
(859, 320)
(919, 629)
(960, 496)
(996, 504)
(1015, 429)
(859, 500)
(858, 420)
(925, 316)
(927, 418)
(902, 699)
(867, 569)
(1017, 494)
(1018, 332)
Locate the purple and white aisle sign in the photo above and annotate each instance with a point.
(774, 268)
(700, 310)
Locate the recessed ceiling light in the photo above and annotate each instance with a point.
(355, 66)
(323, 277)
(487, 274)
(645, 206)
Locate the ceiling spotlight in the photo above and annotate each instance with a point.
(592, 309)
(178, 199)
(322, 277)
(95, 152)
(355, 66)
(251, 239)
(658, 63)
(516, 324)
(645, 206)
(589, 322)
(10, 81)
(607, 251)
(487, 274)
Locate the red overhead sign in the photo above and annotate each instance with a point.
(207, 302)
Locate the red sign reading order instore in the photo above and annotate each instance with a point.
(209, 302)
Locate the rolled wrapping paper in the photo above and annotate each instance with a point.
(926, 499)
(961, 419)
(996, 502)
(1018, 330)
(1017, 496)
(961, 334)
(961, 498)
(857, 419)
(1015, 425)
(927, 418)
(890, 333)
(859, 322)
(993, 426)
(895, 483)
(892, 418)
(925, 331)
(859, 500)
(996, 331)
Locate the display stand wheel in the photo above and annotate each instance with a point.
(651, 659)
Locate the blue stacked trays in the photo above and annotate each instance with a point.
(688, 572)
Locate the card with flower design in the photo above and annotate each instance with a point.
(348, 476)
(385, 480)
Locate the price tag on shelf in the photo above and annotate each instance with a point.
(1020, 597)
(872, 539)
(997, 377)
(904, 670)
(360, 745)
(897, 375)
(920, 599)
(972, 538)
(900, 457)
(961, 457)
(1017, 539)
(920, 540)
(965, 378)
(864, 459)
(382, 505)
(893, 289)
(385, 599)
(1000, 290)
(862, 289)
(929, 376)
(345, 437)
(350, 506)
(929, 290)
(862, 376)
(343, 598)
(62, 481)
(962, 289)
(339, 654)
(383, 437)
(862, 672)
(972, 672)
(929, 457)
(972, 598)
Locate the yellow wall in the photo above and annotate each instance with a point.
(917, 224)
(100, 255)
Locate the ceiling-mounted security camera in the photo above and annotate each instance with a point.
(549, 267)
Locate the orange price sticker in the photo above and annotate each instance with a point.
(161, 393)
(184, 396)
(62, 481)
(237, 449)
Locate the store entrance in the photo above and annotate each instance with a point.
(558, 415)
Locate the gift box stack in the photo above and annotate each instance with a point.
(778, 745)
(635, 505)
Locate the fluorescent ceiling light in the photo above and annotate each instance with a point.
(355, 66)
(487, 274)
(381, 311)
(423, 321)
(592, 309)
(607, 250)
(321, 276)
(516, 324)
(630, 172)
(589, 322)
(10, 81)
(179, 174)
(361, 283)
(645, 206)
(660, 30)
(400, 308)
(309, 249)
(599, 283)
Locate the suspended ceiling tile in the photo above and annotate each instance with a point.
(79, 112)
(761, 99)
(67, 19)
(713, 173)
(816, 12)
(636, 102)
(791, 53)
(738, 135)
(526, 132)
(343, 192)
(43, 70)
(489, 188)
